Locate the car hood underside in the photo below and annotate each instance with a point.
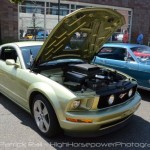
(98, 24)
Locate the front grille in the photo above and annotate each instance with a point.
(119, 97)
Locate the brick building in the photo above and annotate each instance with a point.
(8, 21)
(140, 18)
(9, 15)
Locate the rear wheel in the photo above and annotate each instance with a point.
(44, 116)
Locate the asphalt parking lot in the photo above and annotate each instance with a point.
(18, 131)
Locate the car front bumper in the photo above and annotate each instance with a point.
(103, 121)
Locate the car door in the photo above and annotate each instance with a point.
(11, 83)
(144, 75)
(112, 57)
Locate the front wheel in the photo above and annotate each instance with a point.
(44, 116)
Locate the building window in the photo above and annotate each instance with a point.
(33, 3)
(64, 9)
(32, 7)
(22, 9)
(28, 7)
(38, 10)
(47, 4)
(72, 6)
(79, 6)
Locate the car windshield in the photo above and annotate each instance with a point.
(141, 52)
(30, 52)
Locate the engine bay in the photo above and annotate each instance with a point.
(82, 77)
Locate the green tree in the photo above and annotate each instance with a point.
(16, 1)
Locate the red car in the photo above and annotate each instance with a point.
(141, 53)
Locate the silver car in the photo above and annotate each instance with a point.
(55, 82)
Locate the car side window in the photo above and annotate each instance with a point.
(115, 53)
(8, 53)
(129, 57)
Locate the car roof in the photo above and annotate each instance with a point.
(28, 43)
(126, 45)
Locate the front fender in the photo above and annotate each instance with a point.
(49, 93)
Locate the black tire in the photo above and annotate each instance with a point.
(48, 118)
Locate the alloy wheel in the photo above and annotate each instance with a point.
(41, 116)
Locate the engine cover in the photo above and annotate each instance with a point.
(86, 69)
(85, 75)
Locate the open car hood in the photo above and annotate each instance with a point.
(95, 24)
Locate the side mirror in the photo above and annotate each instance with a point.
(126, 59)
(12, 62)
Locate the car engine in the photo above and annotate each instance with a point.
(88, 79)
(84, 76)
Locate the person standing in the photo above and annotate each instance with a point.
(140, 38)
(125, 38)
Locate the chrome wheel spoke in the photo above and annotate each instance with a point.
(46, 124)
(41, 127)
(39, 106)
(45, 112)
(36, 114)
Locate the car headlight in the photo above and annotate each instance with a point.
(111, 99)
(75, 104)
(130, 92)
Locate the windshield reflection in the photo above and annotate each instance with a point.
(29, 52)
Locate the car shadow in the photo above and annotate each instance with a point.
(144, 94)
(123, 138)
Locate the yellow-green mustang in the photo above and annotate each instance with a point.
(56, 84)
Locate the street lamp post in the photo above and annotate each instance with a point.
(58, 10)
(33, 19)
(45, 21)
